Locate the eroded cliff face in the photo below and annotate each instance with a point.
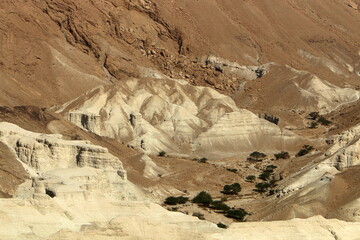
(169, 115)
(325, 186)
(43, 152)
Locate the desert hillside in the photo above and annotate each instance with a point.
(143, 119)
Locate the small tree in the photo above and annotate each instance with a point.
(176, 200)
(256, 156)
(250, 178)
(162, 154)
(271, 168)
(203, 160)
(234, 188)
(238, 214)
(313, 115)
(324, 121)
(265, 175)
(282, 155)
(219, 205)
(304, 150)
(233, 170)
(203, 198)
(221, 225)
(262, 187)
(313, 124)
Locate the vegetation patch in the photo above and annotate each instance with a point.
(256, 156)
(304, 150)
(282, 155)
(231, 189)
(176, 200)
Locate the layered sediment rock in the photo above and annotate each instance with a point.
(166, 115)
(44, 152)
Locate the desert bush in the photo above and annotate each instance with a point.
(262, 187)
(256, 156)
(313, 124)
(313, 115)
(203, 160)
(234, 188)
(237, 214)
(304, 150)
(265, 175)
(282, 155)
(233, 170)
(271, 119)
(221, 225)
(162, 154)
(219, 205)
(250, 178)
(324, 121)
(202, 198)
(176, 200)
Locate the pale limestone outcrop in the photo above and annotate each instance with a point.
(315, 228)
(165, 115)
(94, 202)
(233, 68)
(345, 151)
(310, 188)
(44, 152)
(311, 93)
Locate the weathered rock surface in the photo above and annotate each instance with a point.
(166, 115)
(43, 152)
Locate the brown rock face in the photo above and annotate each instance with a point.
(11, 172)
(53, 50)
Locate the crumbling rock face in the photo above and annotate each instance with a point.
(167, 115)
(42, 152)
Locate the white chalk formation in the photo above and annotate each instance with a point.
(164, 115)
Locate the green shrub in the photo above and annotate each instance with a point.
(313, 115)
(324, 121)
(221, 225)
(237, 214)
(250, 178)
(203, 160)
(233, 170)
(304, 150)
(176, 200)
(219, 205)
(265, 175)
(256, 156)
(282, 155)
(262, 187)
(272, 183)
(162, 154)
(234, 188)
(271, 167)
(313, 125)
(203, 198)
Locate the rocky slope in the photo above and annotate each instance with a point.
(115, 82)
(96, 202)
(168, 115)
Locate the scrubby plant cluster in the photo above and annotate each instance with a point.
(256, 156)
(318, 119)
(268, 180)
(231, 189)
(282, 155)
(176, 200)
(204, 199)
(304, 150)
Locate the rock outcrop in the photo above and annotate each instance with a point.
(166, 115)
(44, 152)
